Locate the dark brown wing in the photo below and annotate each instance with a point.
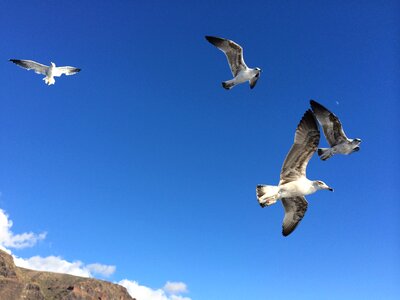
(305, 144)
(331, 125)
(295, 208)
(233, 52)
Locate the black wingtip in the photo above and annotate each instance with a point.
(309, 114)
(214, 40)
(317, 106)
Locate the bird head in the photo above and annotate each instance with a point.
(320, 185)
(53, 64)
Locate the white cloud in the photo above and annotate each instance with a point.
(59, 265)
(145, 293)
(52, 264)
(175, 287)
(17, 241)
(100, 269)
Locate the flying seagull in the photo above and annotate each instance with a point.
(334, 133)
(293, 184)
(234, 54)
(49, 71)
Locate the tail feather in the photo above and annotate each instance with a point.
(227, 85)
(49, 80)
(324, 153)
(267, 194)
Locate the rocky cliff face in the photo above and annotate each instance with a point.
(23, 284)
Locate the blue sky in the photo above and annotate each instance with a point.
(144, 162)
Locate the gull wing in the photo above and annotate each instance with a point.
(331, 125)
(253, 81)
(295, 208)
(233, 52)
(67, 70)
(306, 142)
(31, 65)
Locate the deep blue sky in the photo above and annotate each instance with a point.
(143, 160)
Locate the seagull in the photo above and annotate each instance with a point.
(334, 133)
(293, 184)
(49, 71)
(234, 54)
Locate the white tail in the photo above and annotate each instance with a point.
(49, 80)
(267, 194)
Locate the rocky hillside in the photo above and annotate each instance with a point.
(23, 284)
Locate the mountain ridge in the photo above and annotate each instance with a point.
(18, 283)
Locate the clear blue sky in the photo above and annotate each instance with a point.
(143, 160)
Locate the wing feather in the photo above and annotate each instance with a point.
(306, 142)
(253, 81)
(233, 52)
(67, 70)
(295, 209)
(331, 125)
(31, 65)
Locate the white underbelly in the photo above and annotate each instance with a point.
(243, 76)
(296, 188)
(344, 148)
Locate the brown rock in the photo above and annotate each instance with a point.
(23, 284)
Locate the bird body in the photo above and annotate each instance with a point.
(49, 71)
(300, 187)
(234, 54)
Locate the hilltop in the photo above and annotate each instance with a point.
(18, 283)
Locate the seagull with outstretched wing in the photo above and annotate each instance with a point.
(294, 184)
(234, 54)
(48, 71)
(334, 133)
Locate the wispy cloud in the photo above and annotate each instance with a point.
(143, 292)
(100, 269)
(18, 241)
(53, 264)
(59, 265)
(175, 287)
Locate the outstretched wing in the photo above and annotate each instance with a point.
(31, 65)
(331, 125)
(295, 208)
(305, 144)
(67, 70)
(233, 52)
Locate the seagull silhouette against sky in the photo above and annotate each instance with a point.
(293, 184)
(49, 71)
(234, 54)
(334, 134)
